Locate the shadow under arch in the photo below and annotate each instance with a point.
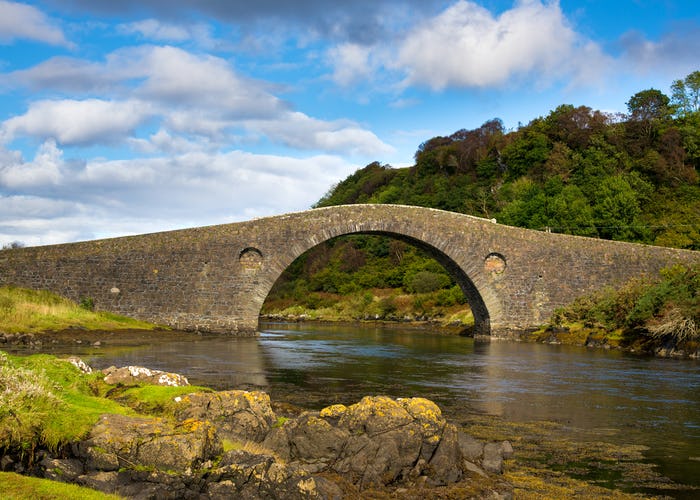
(482, 318)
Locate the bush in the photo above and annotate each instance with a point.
(426, 282)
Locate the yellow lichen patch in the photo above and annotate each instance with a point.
(333, 411)
(192, 425)
(428, 416)
(421, 408)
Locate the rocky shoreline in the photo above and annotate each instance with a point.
(232, 444)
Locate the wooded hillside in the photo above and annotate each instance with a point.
(631, 177)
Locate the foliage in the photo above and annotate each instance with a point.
(23, 310)
(46, 401)
(576, 171)
(668, 306)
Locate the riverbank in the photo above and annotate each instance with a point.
(149, 434)
(255, 437)
(24, 311)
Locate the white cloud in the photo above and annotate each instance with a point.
(197, 101)
(78, 122)
(155, 30)
(178, 77)
(44, 171)
(466, 46)
(674, 53)
(300, 131)
(18, 20)
(351, 63)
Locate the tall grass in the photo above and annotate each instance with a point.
(48, 402)
(24, 311)
(667, 307)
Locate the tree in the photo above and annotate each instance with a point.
(649, 109)
(685, 94)
(12, 245)
(649, 105)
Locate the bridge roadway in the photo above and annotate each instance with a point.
(216, 278)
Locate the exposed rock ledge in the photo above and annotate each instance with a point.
(232, 445)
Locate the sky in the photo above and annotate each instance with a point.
(135, 116)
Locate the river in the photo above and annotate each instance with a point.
(589, 394)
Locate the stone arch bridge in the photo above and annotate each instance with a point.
(216, 278)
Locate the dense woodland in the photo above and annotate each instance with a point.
(630, 177)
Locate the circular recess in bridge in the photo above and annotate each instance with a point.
(495, 264)
(251, 259)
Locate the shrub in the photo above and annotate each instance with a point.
(426, 282)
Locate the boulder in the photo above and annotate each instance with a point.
(130, 375)
(237, 415)
(118, 441)
(66, 470)
(374, 442)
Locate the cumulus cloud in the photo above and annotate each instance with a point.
(178, 77)
(70, 121)
(300, 131)
(467, 46)
(196, 101)
(44, 171)
(21, 21)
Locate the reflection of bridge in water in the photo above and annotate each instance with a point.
(216, 278)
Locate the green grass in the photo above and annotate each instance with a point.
(45, 401)
(30, 311)
(152, 399)
(16, 487)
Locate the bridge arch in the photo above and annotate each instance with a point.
(471, 292)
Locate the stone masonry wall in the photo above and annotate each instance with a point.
(216, 278)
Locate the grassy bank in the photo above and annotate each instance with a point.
(650, 314)
(17, 487)
(31, 311)
(47, 402)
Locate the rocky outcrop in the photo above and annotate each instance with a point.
(232, 445)
(119, 441)
(380, 441)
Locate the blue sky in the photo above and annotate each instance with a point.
(145, 115)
